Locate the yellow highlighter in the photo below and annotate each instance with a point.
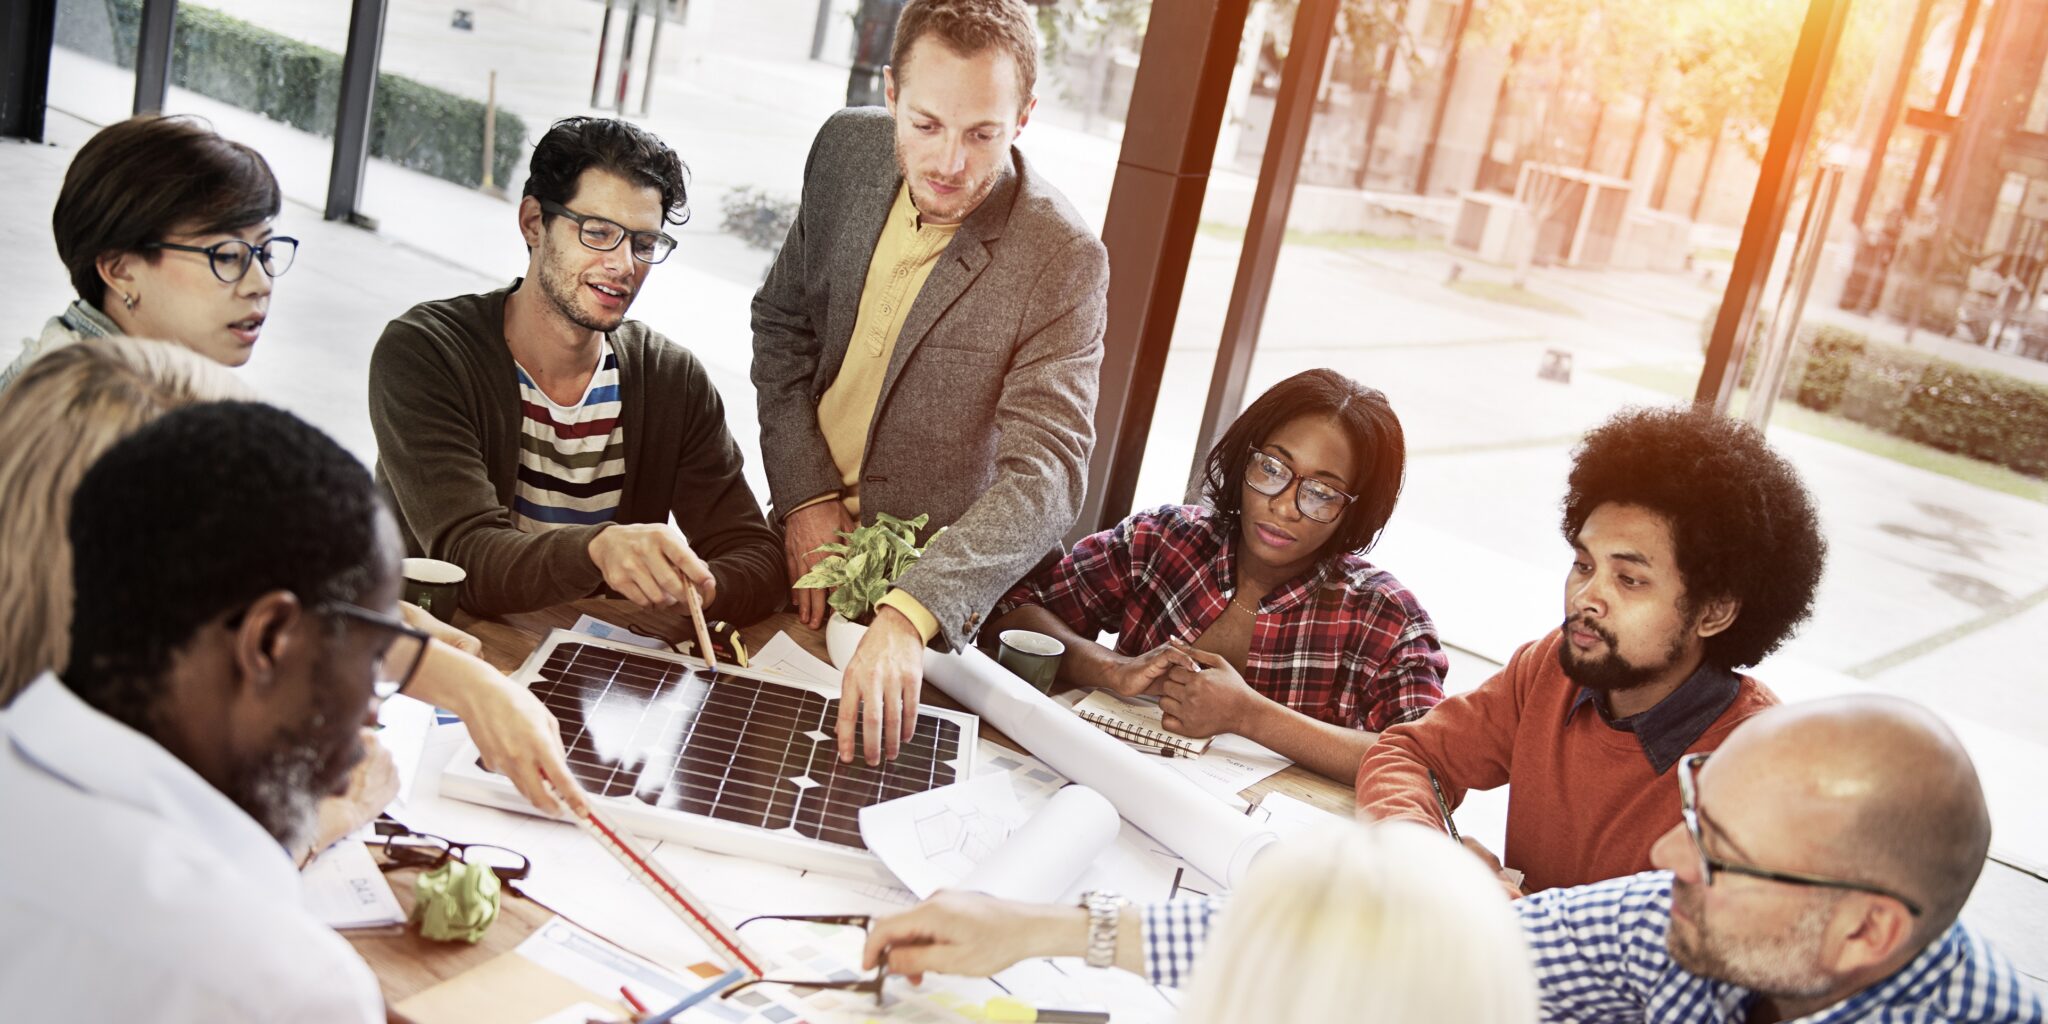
(1003, 1008)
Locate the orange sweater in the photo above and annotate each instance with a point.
(1585, 804)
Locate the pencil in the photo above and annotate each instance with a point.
(1444, 807)
(697, 619)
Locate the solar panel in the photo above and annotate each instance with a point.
(732, 760)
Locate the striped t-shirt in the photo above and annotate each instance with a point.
(572, 458)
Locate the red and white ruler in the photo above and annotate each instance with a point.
(695, 913)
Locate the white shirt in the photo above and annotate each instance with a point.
(131, 889)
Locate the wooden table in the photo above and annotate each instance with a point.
(406, 964)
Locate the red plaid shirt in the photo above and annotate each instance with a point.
(1345, 643)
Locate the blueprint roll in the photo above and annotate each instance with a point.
(1188, 821)
(1046, 855)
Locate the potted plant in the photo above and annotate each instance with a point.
(859, 570)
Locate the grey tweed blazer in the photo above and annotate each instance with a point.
(986, 416)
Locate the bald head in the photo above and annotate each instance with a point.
(1882, 789)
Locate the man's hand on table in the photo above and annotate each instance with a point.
(1508, 884)
(802, 532)
(971, 934)
(649, 564)
(878, 697)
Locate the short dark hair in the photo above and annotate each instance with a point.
(197, 514)
(969, 27)
(138, 180)
(573, 145)
(1742, 524)
(1376, 437)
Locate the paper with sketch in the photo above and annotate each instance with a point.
(783, 656)
(589, 626)
(1231, 765)
(931, 840)
(344, 889)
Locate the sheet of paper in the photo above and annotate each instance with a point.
(599, 966)
(402, 726)
(785, 657)
(1231, 765)
(1292, 818)
(589, 626)
(344, 889)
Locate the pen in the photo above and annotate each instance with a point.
(696, 997)
(1444, 807)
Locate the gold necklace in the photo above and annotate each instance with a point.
(1247, 609)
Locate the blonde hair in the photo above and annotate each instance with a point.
(1390, 922)
(64, 410)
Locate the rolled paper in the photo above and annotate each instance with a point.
(455, 902)
(1187, 820)
(1048, 853)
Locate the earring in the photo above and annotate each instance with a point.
(128, 300)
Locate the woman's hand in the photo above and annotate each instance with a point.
(372, 785)
(421, 619)
(1209, 701)
(513, 730)
(1146, 673)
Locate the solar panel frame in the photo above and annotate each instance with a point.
(754, 770)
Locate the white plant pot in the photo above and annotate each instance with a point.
(841, 637)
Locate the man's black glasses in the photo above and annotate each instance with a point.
(230, 259)
(604, 236)
(399, 662)
(404, 848)
(860, 921)
(1689, 808)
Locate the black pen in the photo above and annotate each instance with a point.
(1444, 807)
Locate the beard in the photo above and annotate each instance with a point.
(1610, 671)
(1783, 963)
(956, 209)
(282, 788)
(564, 291)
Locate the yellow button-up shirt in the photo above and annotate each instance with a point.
(904, 257)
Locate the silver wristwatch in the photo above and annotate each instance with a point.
(1104, 907)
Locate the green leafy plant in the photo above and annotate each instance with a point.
(862, 568)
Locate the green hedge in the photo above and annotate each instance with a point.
(412, 125)
(1982, 414)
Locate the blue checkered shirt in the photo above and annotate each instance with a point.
(1600, 958)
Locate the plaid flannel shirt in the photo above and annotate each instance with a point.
(1599, 956)
(1344, 643)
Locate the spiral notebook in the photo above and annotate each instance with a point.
(1136, 720)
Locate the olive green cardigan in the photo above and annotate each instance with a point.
(444, 402)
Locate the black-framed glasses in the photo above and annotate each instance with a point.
(404, 848)
(860, 921)
(399, 662)
(230, 259)
(1317, 500)
(1689, 808)
(604, 236)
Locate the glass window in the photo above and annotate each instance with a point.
(266, 73)
(92, 65)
